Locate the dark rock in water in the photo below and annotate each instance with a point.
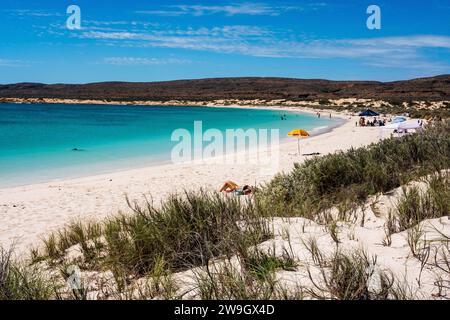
(76, 149)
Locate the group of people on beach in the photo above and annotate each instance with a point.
(374, 123)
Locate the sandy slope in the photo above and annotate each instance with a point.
(363, 232)
(28, 213)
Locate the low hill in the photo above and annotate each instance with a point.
(429, 89)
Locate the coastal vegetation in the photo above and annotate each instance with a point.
(415, 109)
(216, 239)
(345, 179)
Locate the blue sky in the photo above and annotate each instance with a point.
(164, 40)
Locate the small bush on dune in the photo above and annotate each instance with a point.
(408, 209)
(439, 192)
(17, 282)
(85, 234)
(229, 283)
(416, 205)
(254, 279)
(351, 276)
(264, 264)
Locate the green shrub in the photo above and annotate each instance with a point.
(416, 205)
(264, 264)
(18, 282)
(349, 277)
(186, 231)
(321, 183)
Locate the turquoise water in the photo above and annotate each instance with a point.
(37, 141)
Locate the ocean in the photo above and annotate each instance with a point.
(37, 141)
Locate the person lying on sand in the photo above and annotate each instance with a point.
(230, 186)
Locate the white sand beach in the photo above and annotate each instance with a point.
(224, 151)
(28, 213)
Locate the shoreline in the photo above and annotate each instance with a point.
(30, 212)
(161, 165)
(306, 106)
(212, 103)
(314, 132)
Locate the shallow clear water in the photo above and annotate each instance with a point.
(36, 141)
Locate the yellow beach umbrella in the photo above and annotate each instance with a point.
(298, 133)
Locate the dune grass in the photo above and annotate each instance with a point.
(345, 179)
(251, 277)
(185, 231)
(263, 264)
(85, 235)
(441, 260)
(351, 276)
(192, 229)
(18, 282)
(342, 276)
(230, 283)
(416, 204)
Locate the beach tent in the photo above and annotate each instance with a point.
(369, 113)
(405, 125)
(402, 126)
(392, 126)
(413, 124)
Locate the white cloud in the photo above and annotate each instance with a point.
(394, 62)
(253, 9)
(111, 35)
(33, 13)
(407, 51)
(200, 10)
(127, 61)
(215, 34)
(12, 63)
(429, 41)
(256, 41)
